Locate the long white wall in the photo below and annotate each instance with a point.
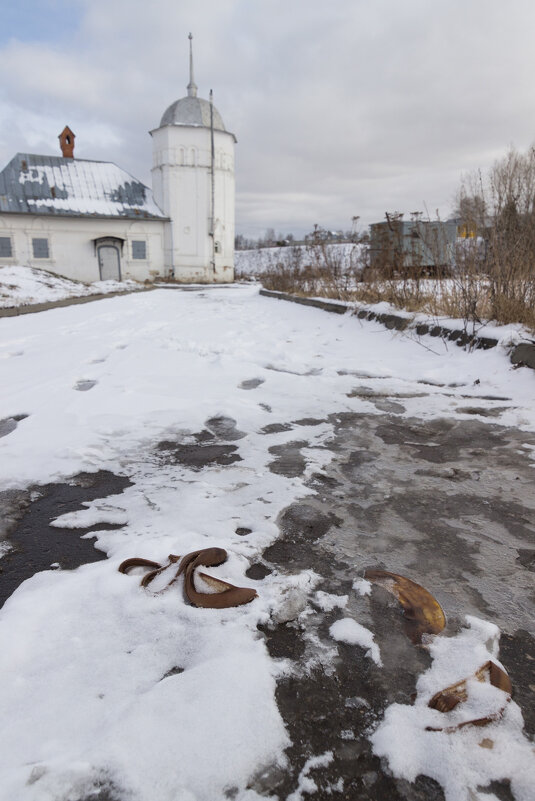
(181, 181)
(71, 249)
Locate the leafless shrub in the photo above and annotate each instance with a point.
(319, 268)
(479, 267)
(404, 255)
(498, 213)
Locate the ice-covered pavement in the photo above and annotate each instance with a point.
(223, 409)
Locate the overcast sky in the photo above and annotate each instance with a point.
(340, 107)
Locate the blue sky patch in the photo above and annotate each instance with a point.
(39, 20)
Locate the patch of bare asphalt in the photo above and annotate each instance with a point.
(482, 411)
(371, 394)
(205, 448)
(368, 392)
(276, 428)
(258, 571)
(224, 428)
(104, 789)
(35, 545)
(448, 503)
(288, 460)
(308, 421)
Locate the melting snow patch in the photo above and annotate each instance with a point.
(5, 547)
(328, 602)
(305, 783)
(86, 518)
(470, 757)
(290, 595)
(348, 630)
(362, 586)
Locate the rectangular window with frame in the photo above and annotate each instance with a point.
(139, 249)
(6, 249)
(40, 248)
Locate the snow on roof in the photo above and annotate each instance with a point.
(32, 184)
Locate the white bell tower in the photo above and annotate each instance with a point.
(193, 183)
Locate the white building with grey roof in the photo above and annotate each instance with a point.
(91, 220)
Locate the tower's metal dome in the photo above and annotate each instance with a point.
(192, 110)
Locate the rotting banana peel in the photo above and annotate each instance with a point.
(450, 697)
(223, 594)
(447, 699)
(423, 613)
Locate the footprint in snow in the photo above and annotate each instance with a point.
(9, 424)
(84, 385)
(251, 383)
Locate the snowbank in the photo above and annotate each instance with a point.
(22, 286)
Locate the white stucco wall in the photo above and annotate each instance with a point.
(71, 249)
(181, 182)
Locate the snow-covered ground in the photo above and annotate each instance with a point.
(22, 286)
(254, 262)
(90, 689)
(349, 259)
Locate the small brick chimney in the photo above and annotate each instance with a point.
(66, 142)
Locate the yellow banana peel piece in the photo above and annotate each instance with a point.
(423, 613)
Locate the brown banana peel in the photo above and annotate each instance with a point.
(423, 614)
(447, 699)
(224, 595)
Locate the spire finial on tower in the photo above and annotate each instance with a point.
(192, 86)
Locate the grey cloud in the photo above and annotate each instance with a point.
(341, 109)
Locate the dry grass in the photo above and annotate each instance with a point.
(491, 272)
(473, 301)
(309, 282)
(472, 298)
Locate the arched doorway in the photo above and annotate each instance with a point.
(108, 250)
(109, 263)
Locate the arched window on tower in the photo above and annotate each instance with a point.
(192, 156)
(182, 156)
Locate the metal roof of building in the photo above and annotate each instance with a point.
(32, 184)
(192, 111)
